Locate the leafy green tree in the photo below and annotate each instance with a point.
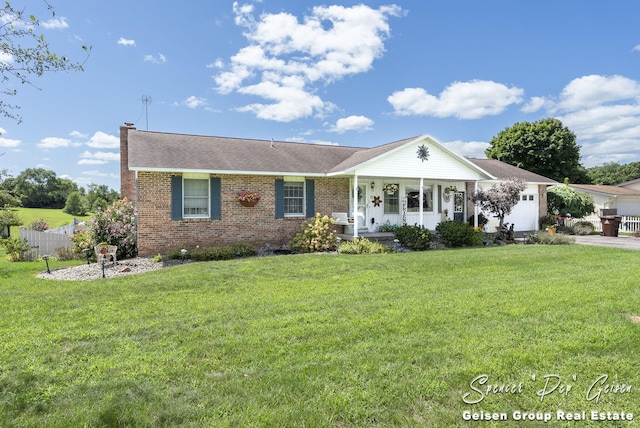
(8, 198)
(613, 173)
(103, 192)
(26, 54)
(8, 218)
(545, 147)
(564, 201)
(41, 188)
(99, 203)
(76, 205)
(500, 199)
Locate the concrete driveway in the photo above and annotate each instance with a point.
(628, 242)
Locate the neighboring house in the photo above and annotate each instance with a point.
(185, 187)
(623, 199)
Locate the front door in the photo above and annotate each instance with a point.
(361, 212)
(458, 207)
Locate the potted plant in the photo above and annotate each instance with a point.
(551, 229)
(248, 199)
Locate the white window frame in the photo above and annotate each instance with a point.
(185, 197)
(300, 182)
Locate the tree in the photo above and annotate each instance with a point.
(545, 147)
(613, 173)
(500, 199)
(75, 204)
(41, 188)
(26, 53)
(564, 201)
(102, 192)
(8, 198)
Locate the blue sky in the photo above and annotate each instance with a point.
(341, 72)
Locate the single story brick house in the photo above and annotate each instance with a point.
(185, 187)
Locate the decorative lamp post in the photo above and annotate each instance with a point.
(184, 253)
(46, 260)
(86, 253)
(103, 261)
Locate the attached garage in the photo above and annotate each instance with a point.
(526, 214)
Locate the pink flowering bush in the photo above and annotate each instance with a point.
(40, 225)
(116, 225)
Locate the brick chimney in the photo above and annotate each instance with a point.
(127, 177)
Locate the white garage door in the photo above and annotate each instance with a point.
(525, 214)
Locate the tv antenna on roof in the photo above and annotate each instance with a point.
(146, 100)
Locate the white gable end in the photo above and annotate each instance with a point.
(404, 162)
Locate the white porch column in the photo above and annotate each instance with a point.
(476, 209)
(421, 198)
(355, 205)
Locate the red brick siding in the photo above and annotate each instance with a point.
(127, 177)
(157, 233)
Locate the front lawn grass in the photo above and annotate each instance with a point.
(323, 340)
(54, 217)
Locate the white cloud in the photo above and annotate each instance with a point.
(636, 48)
(55, 24)
(126, 42)
(604, 113)
(6, 142)
(353, 123)
(98, 158)
(54, 143)
(79, 135)
(101, 140)
(534, 104)
(160, 59)
(6, 58)
(286, 57)
(464, 100)
(471, 149)
(595, 90)
(291, 100)
(96, 173)
(194, 102)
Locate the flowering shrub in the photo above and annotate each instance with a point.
(250, 197)
(362, 246)
(316, 235)
(82, 239)
(116, 225)
(39, 225)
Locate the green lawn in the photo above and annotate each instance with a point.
(324, 340)
(54, 218)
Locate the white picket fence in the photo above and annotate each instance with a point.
(627, 223)
(46, 243)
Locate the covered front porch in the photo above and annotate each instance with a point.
(376, 202)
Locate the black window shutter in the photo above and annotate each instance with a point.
(311, 197)
(279, 198)
(176, 197)
(439, 196)
(216, 198)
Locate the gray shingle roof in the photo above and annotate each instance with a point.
(179, 152)
(606, 190)
(504, 171)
